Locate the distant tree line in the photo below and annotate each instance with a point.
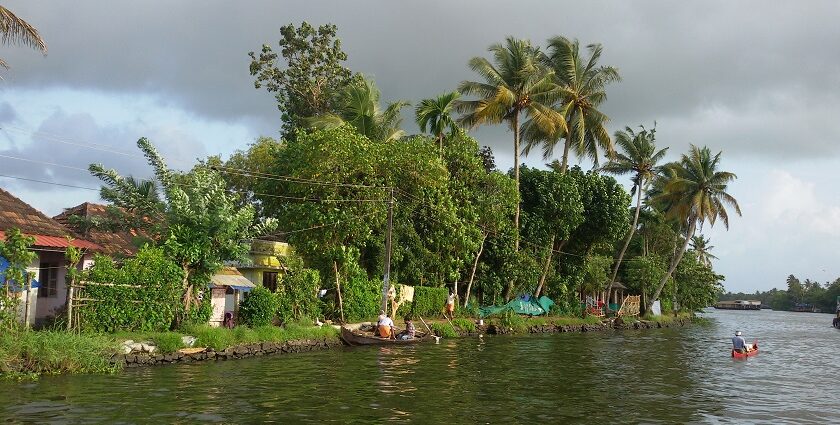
(808, 292)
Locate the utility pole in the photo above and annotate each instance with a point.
(386, 280)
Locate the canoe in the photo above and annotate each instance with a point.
(368, 338)
(740, 355)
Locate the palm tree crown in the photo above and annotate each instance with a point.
(582, 84)
(359, 107)
(700, 246)
(638, 156)
(434, 115)
(516, 82)
(14, 30)
(693, 192)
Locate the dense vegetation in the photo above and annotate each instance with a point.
(344, 161)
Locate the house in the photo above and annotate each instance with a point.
(267, 262)
(49, 291)
(115, 244)
(226, 289)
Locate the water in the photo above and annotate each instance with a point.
(652, 376)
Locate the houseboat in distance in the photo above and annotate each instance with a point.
(739, 305)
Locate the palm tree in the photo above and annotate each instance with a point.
(359, 107)
(16, 31)
(639, 157)
(434, 114)
(515, 83)
(700, 246)
(582, 84)
(694, 192)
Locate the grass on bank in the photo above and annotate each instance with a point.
(28, 354)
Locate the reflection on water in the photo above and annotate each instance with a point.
(665, 376)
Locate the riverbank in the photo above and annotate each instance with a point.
(29, 354)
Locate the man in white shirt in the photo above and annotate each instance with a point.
(385, 325)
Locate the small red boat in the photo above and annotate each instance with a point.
(740, 355)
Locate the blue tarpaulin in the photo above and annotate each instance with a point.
(520, 306)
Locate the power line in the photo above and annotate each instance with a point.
(46, 182)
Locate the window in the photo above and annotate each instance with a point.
(270, 281)
(48, 280)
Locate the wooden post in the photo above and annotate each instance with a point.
(338, 291)
(386, 280)
(70, 303)
(28, 287)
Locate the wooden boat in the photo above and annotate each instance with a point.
(359, 337)
(740, 355)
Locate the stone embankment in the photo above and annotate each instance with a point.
(148, 357)
(135, 359)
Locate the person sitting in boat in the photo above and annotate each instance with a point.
(410, 331)
(739, 344)
(385, 325)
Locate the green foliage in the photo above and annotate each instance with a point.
(309, 82)
(358, 106)
(512, 321)
(297, 295)
(697, 285)
(55, 352)
(142, 293)
(466, 325)
(258, 308)
(203, 224)
(444, 329)
(642, 274)
(15, 249)
(428, 302)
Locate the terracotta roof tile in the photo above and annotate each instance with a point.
(14, 213)
(112, 243)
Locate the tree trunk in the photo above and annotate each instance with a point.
(472, 274)
(675, 261)
(566, 144)
(338, 291)
(516, 175)
(440, 144)
(546, 267)
(627, 241)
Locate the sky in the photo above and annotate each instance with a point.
(759, 83)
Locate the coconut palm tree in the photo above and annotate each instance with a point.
(700, 246)
(694, 192)
(359, 107)
(639, 157)
(14, 30)
(516, 83)
(434, 114)
(582, 84)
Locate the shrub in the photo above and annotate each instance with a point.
(444, 329)
(429, 302)
(466, 325)
(361, 297)
(298, 295)
(167, 342)
(55, 352)
(145, 293)
(510, 320)
(258, 308)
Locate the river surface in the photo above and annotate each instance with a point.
(651, 376)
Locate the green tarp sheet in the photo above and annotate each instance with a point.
(520, 306)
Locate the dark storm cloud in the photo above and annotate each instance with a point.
(730, 75)
(45, 156)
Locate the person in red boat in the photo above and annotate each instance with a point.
(739, 344)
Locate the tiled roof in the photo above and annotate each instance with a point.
(112, 243)
(16, 214)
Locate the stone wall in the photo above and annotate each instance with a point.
(238, 352)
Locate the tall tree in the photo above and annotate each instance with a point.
(694, 192)
(700, 246)
(16, 31)
(515, 83)
(312, 77)
(358, 105)
(582, 83)
(204, 224)
(435, 114)
(638, 156)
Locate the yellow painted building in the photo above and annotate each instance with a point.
(267, 263)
